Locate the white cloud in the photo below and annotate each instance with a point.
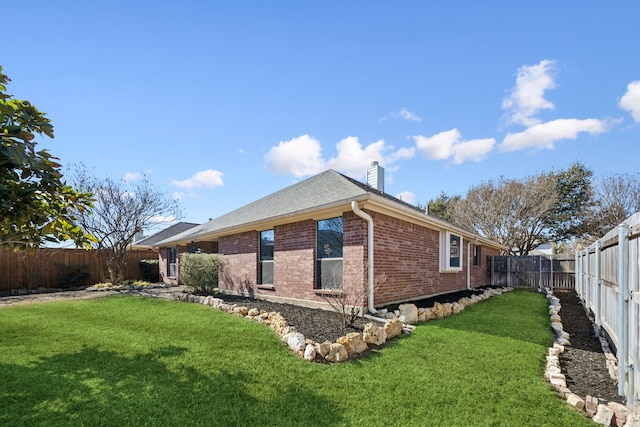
(299, 156)
(439, 146)
(131, 176)
(406, 115)
(407, 196)
(160, 219)
(302, 156)
(178, 195)
(544, 135)
(208, 179)
(630, 101)
(474, 150)
(527, 97)
(445, 145)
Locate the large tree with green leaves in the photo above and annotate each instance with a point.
(524, 213)
(36, 205)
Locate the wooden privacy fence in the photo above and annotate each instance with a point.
(608, 283)
(532, 271)
(58, 268)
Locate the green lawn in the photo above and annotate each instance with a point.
(133, 361)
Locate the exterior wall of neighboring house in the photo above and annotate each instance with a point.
(163, 256)
(407, 254)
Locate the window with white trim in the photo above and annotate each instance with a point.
(451, 246)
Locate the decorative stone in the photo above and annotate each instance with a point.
(309, 353)
(242, 311)
(408, 313)
(393, 328)
(447, 309)
(422, 315)
(337, 353)
(437, 311)
(633, 420)
(620, 412)
(323, 348)
(575, 401)
(591, 405)
(558, 380)
(456, 308)
(295, 341)
(253, 312)
(354, 343)
(603, 416)
(374, 334)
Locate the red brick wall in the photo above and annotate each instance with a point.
(409, 256)
(294, 274)
(406, 253)
(240, 269)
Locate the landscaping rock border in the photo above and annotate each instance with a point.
(375, 334)
(609, 414)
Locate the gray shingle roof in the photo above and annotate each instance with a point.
(165, 233)
(324, 189)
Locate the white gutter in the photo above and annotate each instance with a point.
(356, 210)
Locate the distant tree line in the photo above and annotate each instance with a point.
(566, 207)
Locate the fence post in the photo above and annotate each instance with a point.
(598, 285)
(493, 270)
(623, 309)
(540, 273)
(587, 281)
(578, 274)
(508, 271)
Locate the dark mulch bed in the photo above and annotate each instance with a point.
(583, 362)
(322, 325)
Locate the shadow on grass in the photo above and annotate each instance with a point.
(98, 387)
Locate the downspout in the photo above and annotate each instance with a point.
(469, 265)
(356, 210)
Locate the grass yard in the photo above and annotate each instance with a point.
(133, 361)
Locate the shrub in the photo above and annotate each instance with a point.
(200, 271)
(150, 269)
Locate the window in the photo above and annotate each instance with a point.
(329, 254)
(450, 252)
(171, 265)
(265, 267)
(476, 254)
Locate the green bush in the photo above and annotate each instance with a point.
(200, 271)
(150, 269)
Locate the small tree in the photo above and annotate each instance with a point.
(36, 205)
(121, 211)
(200, 272)
(349, 303)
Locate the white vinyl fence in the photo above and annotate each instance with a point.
(608, 283)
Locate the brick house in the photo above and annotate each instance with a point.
(332, 233)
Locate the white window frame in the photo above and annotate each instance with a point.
(445, 252)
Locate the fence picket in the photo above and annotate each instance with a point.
(49, 267)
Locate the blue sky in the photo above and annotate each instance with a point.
(222, 103)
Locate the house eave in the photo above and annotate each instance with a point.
(336, 208)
